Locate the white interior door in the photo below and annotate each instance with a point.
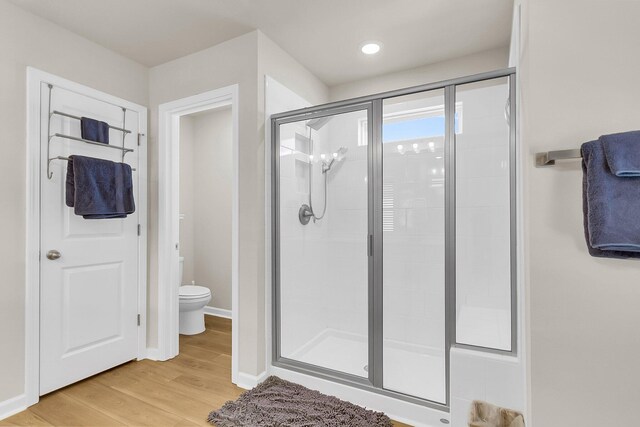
(88, 296)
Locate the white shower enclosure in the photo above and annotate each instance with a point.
(393, 219)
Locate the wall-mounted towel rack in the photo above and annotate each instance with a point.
(122, 129)
(548, 158)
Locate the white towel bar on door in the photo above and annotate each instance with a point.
(67, 159)
(123, 129)
(71, 116)
(87, 141)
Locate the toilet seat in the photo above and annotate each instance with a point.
(193, 292)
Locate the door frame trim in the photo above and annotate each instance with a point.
(35, 78)
(168, 216)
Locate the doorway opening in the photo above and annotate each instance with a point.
(198, 217)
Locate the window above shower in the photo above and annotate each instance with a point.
(419, 127)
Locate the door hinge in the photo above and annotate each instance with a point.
(140, 135)
(139, 229)
(138, 320)
(370, 244)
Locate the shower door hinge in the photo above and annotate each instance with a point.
(139, 229)
(138, 320)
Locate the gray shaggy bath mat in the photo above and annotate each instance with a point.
(277, 402)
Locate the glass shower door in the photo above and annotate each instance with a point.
(484, 182)
(413, 227)
(323, 224)
(393, 227)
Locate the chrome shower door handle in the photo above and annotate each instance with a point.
(53, 255)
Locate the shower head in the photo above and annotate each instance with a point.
(340, 153)
(319, 122)
(337, 156)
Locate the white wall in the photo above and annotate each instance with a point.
(579, 79)
(213, 180)
(471, 64)
(187, 194)
(26, 40)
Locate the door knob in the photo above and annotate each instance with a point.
(53, 254)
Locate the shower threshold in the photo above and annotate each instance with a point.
(410, 369)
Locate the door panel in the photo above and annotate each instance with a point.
(324, 279)
(89, 296)
(413, 212)
(483, 216)
(80, 284)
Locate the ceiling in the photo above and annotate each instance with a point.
(324, 35)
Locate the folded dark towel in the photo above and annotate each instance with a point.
(98, 188)
(94, 130)
(623, 153)
(611, 207)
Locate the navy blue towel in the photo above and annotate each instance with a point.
(623, 153)
(98, 188)
(94, 130)
(611, 207)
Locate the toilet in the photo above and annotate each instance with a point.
(193, 299)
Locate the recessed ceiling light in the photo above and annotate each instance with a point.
(370, 48)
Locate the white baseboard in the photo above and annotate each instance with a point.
(215, 311)
(154, 354)
(248, 381)
(12, 406)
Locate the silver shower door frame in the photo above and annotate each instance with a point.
(373, 105)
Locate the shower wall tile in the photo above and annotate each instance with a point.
(482, 162)
(424, 221)
(482, 191)
(349, 223)
(344, 196)
(483, 222)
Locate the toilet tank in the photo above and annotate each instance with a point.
(180, 278)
